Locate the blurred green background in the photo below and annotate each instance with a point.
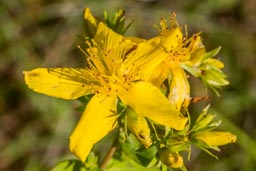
(34, 128)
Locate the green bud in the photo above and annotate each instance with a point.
(203, 120)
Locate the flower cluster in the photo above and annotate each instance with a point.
(139, 87)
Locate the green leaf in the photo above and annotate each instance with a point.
(91, 163)
(146, 156)
(84, 100)
(130, 146)
(212, 53)
(133, 149)
(125, 163)
(117, 21)
(69, 165)
(191, 69)
(203, 120)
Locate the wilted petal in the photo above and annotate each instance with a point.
(147, 100)
(179, 88)
(98, 119)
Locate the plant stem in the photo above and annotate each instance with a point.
(110, 152)
(107, 158)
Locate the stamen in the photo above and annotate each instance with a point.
(79, 47)
(186, 31)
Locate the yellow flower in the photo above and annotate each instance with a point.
(179, 50)
(184, 54)
(115, 70)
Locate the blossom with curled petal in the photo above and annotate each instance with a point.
(185, 54)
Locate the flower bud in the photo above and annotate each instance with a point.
(173, 160)
(138, 125)
(215, 139)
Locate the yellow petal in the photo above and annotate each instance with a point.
(179, 88)
(90, 22)
(112, 42)
(133, 40)
(172, 39)
(66, 83)
(169, 40)
(107, 38)
(112, 48)
(150, 54)
(146, 99)
(216, 138)
(98, 119)
(159, 74)
(145, 58)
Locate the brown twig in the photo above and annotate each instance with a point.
(108, 156)
(110, 152)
